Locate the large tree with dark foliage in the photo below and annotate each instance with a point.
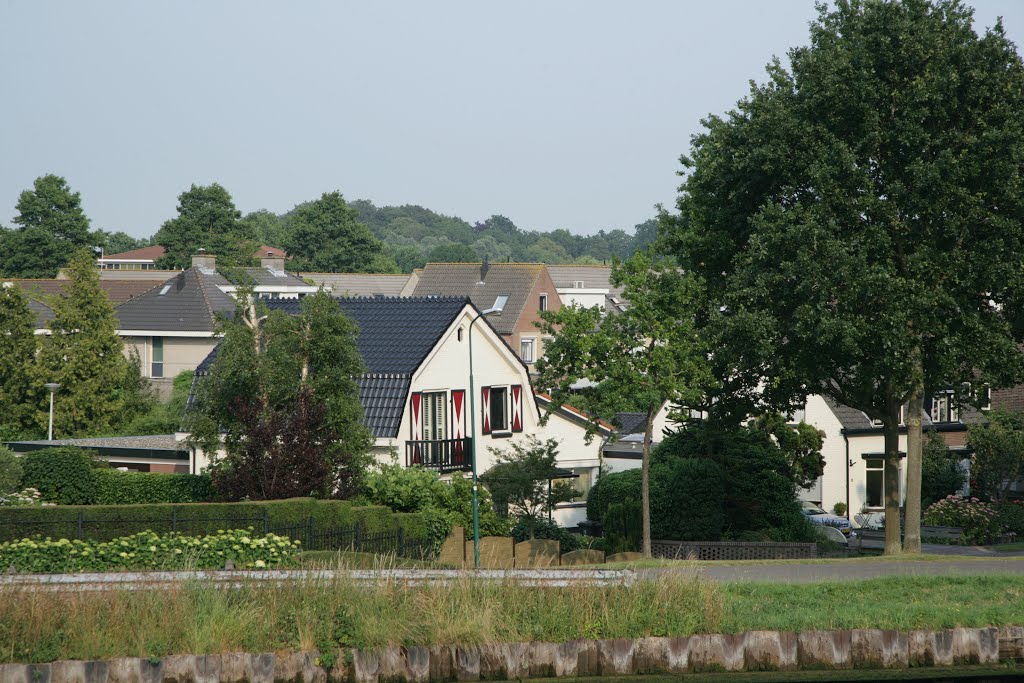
(858, 222)
(17, 354)
(325, 235)
(282, 402)
(207, 219)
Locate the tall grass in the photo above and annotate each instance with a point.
(328, 614)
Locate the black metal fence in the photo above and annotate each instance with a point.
(309, 533)
(448, 455)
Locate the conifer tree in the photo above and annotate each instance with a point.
(17, 354)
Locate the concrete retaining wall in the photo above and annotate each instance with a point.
(752, 651)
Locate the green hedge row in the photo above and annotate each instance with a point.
(105, 522)
(114, 487)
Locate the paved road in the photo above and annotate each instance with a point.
(854, 570)
(958, 550)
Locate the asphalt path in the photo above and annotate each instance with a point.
(851, 570)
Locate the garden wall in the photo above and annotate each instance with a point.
(752, 651)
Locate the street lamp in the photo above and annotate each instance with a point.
(499, 304)
(53, 387)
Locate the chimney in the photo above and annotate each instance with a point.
(484, 267)
(272, 262)
(204, 261)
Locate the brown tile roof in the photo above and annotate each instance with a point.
(514, 280)
(266, 250)
(360, 284)
(145, 253)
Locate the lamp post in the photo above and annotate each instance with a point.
(498, 306)
(53, 387)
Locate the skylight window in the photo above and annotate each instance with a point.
(500, 301)
(166, 289)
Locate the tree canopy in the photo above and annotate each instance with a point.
(17, 354)
(324, 235)
(857, 220)
(643, 358)
(207, 219)
(283, 397)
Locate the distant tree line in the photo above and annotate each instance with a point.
(324, 234)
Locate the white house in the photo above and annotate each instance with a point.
(416, 390)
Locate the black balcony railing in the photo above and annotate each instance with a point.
(447, 455)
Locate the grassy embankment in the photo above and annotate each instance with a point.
(197, 618)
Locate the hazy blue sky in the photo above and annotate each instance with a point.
(556, 114)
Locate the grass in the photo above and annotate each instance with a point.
(1008, 547)
(692, 564)
(343, 559)
(326, 614)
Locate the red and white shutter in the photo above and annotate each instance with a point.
(416, 406)
(517, 407)
(485, 406)
(458, 421)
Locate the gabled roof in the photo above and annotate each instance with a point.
(855, 421)
(266, 250)
(360, 284)
(265, 277)
(592, 277)
(483, 283)
(631, 423)
(143, 254)
(395, 337)
(188, 302)
(38, 291)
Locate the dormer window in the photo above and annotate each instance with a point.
(943, 408)
(543, 302)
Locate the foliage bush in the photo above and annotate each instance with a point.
(114, 487)
(612, 487)
(63, 475)
(10, 471)
(105, 522)
(941, 474)
(149, 550)
(686, 500)
(1011, 517)
(839, 508)
(546, 529)
(23, 497)
(980, 521)
(623, 527)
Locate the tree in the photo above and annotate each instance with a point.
(646, 357)
(324, 235)
(53, 207)
(17, 355)
(800, 444)
(645, 233)
(857, 221)
(207, 219)
(99, 386)
(282, 396)
(118, 242)
(265, 227)
(546, 250)
(524, 481)
(52, 226)
(998, 459)
(452, 252)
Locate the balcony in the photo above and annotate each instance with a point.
(448, 455)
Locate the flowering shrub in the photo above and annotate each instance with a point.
(979, 520)
(148, 550)
(27, 496)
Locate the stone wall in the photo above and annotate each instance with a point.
(751, 651)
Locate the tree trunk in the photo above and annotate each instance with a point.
(645, 486)
(912, 537)
(891, 473)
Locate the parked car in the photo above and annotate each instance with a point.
(820, 517)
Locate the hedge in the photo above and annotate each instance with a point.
(106, 522)
(115, 487)
(64, 475)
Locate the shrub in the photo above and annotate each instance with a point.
(839, 509)
(979, 521)
(1011, 517)
(148, 550)
(104, 522)
(623, 527)
(114, 487)
(10, 471)
(23, 497)
(63, 475)
(941, 474)
(686, 500)
(612, 487)
(546, 529)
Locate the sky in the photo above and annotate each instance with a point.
(558, 114)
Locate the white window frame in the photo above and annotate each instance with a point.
(432, 405)
(880, 468)
(944, 406)
(531, 343)
(543, 302)
(157, 342)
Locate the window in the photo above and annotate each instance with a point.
(578, 284)
(157, 366)
(499, 409)
(985, 397)
(582, 483)
(874, 483)
(526, 347)
(943, 408)
(435, 416)
(543, 302)
(460, 334)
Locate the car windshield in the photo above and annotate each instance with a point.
(812, 509)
